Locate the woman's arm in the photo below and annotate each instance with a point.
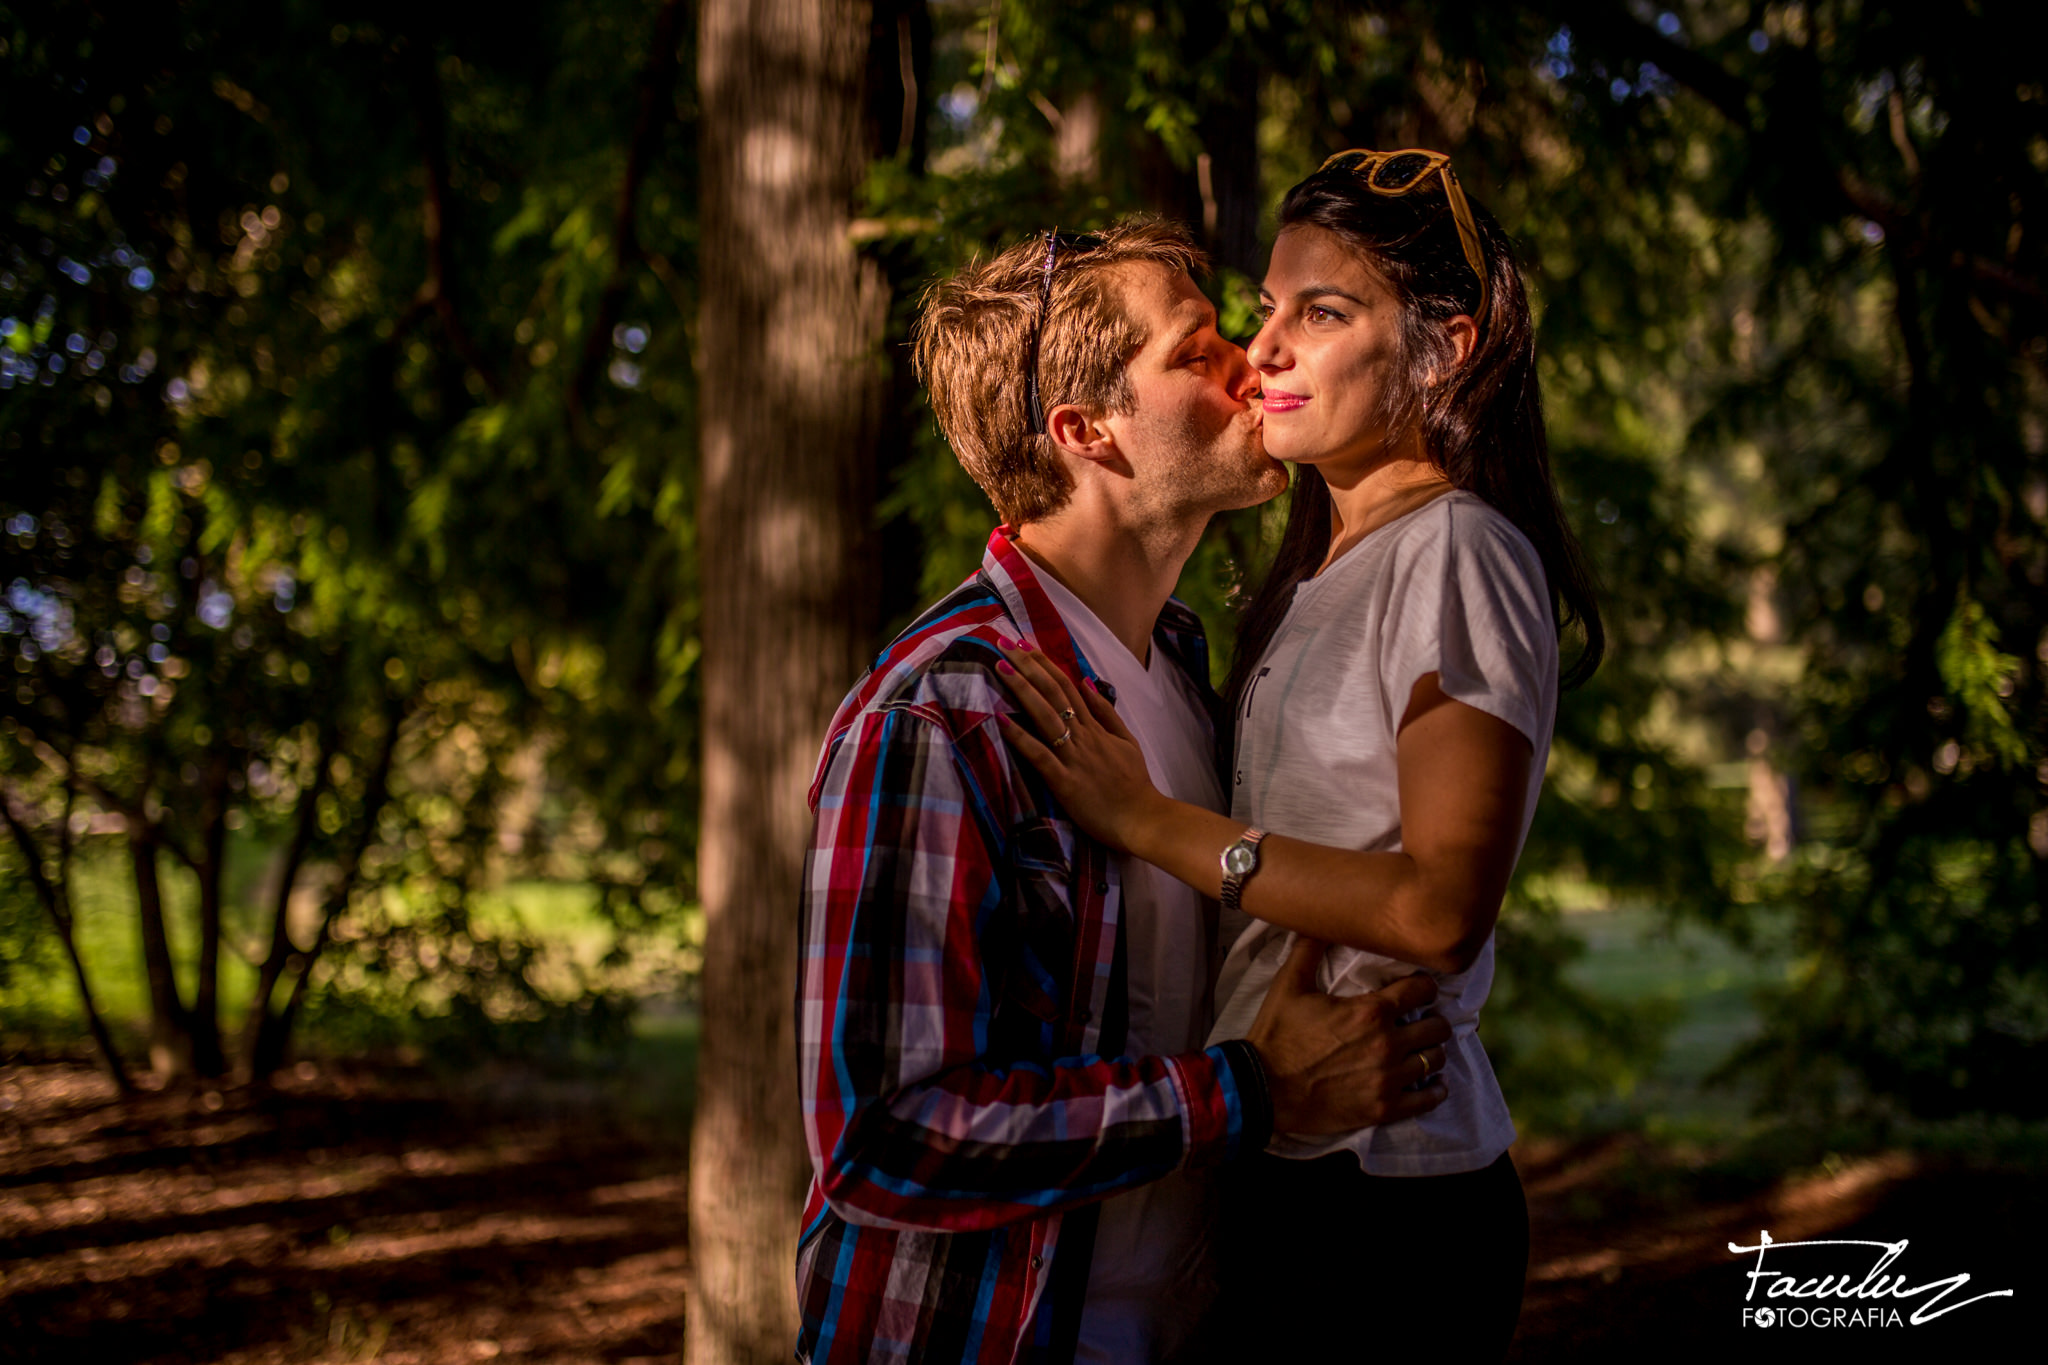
(1463, 776)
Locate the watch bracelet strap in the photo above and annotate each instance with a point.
(1233, 882)
(1254, 1095)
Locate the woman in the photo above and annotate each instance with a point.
(1392, 703)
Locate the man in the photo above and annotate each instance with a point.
(1012, 1121)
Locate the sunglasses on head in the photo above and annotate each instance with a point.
(1393, 174)
(1055, 243)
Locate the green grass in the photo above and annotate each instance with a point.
(1634, 955)
(39, 1005)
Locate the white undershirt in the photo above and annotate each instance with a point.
(1151, 1280)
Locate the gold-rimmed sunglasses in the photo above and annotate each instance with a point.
(1393, 174)
(1055, 242)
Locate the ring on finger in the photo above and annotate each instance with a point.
(1065, 735)
(1068, 715)
(1427, 1069)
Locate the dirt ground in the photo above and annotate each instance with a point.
(352, 1218)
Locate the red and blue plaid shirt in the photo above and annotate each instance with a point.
(961, 1009)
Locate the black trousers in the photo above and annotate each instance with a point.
(1322, 1262)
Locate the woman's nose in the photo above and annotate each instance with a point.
(1266, 352)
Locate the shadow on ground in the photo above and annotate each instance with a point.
(1631, 1262)
(339, 1219)
(354, 1218)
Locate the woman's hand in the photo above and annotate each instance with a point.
(1084, 751)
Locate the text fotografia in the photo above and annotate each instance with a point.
(1879, 1297)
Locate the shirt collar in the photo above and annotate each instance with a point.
(1016, 581)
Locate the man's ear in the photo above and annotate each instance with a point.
(1077, 434)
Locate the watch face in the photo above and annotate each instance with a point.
(1240, 860)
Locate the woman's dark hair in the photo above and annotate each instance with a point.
(1482, 426)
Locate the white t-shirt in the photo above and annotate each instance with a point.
(1451, 588)
(1151, 1277)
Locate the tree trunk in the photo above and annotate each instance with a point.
(170, 1038)
(792, 392)
(256, 1047)
(208, 1058)
(269, 1035)
(1228, 180)
(56, 898)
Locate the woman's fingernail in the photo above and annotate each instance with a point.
(1089, 683)
(1024, 645)
(1004, 642)
(1003, 666)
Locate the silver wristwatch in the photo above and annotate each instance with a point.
(1240, 860)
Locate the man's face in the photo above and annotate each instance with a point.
(1192, 438)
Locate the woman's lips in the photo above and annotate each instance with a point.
(1275, 400)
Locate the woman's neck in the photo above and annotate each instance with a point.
(1365, 497)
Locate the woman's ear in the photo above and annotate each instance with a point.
(1464, 338)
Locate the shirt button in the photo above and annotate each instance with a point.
(1038, 1262)
(1102, 888)
(1086, 1015)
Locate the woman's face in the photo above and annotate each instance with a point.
(1327, 352)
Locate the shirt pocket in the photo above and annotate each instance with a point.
(1036, 941)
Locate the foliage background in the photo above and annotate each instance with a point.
(348, 422)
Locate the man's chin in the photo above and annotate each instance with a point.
(1272, 483)
(1268, 482)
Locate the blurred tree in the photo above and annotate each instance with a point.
(351, 522)
(1630, 813)
(344, 515)
(1882, 403)
(1792, 353)
(794, 394)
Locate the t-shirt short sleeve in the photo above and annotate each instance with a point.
(1471, 604)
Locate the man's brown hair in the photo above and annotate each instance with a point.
(973, 340)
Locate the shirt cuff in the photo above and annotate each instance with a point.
(1254, 1096)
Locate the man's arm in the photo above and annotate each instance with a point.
(910, 1123)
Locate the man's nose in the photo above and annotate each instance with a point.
(1243, 378)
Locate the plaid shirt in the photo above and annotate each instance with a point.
(961, 1011)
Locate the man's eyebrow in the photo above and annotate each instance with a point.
(1188, 329)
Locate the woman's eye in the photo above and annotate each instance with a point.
(1264, 313)
(1318, 313)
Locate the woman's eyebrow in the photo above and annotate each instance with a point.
(1310, 291)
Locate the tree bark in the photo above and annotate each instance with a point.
(1229, 130)
(271, 1034)
(208, 1057)
(56, 898)
(278, 956)
(170, 1038)
(792, 393)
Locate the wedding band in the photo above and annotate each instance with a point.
(1068, 715)
(1064, 737)
(1427, 1069)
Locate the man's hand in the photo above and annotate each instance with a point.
(1335, 1063)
